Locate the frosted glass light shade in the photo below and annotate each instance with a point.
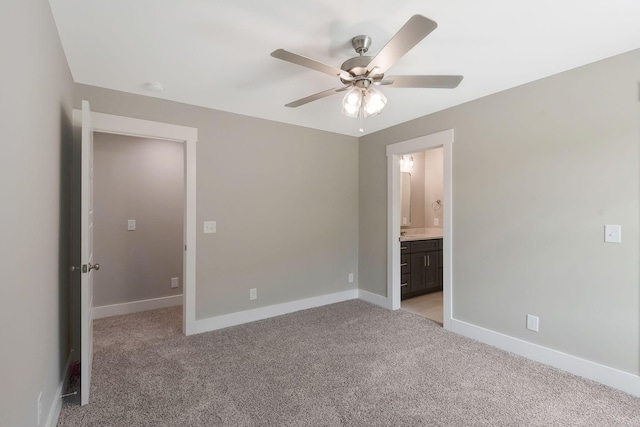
(352, 102)
(363, 102)
(373, 101)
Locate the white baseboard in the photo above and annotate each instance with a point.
(233, 319)
(374, 299)
(136, 306)
(611, 377)
(56, 404)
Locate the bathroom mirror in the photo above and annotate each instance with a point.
(405, 191)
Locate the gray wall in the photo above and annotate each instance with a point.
(285, 199)
(35, 118)
(140, 179)
(537, 171)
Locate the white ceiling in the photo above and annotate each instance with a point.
(216, 53)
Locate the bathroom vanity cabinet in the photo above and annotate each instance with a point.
(420, 267)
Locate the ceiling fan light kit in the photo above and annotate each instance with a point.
(359, 74)
(363, 102)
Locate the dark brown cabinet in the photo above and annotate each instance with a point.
(421, 267)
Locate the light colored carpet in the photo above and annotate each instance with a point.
(346, 364)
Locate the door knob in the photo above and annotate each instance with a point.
(86, 268)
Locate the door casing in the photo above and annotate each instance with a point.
(119, 125)
(442, 139)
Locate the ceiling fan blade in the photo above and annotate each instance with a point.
(411, 33)
(438, 82)
(294, 58)
(316, 96)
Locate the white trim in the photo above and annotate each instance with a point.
(238, 318)
(136, 306)
(119, 125)
(394, 151)
(374, 299)
(611, 377)
(56, 404)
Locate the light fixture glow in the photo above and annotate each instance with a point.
(351, 102)
(373, 102)
(406, 164)
(363, 102)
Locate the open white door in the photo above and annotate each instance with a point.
(86, 256)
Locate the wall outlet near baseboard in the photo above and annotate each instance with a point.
(533, 322)
(175, 282)
(253, 293)
(350, 277)
(436, 221)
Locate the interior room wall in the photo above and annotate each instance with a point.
(143, 180)
(537, 172)
(433, 187)
(285, 199)
(35, 118)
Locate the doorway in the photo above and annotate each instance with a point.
(442, 139)
(127, 126)
(138, 193)
(421, 233)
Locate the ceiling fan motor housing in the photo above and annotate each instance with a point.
(357, 67)
(361, 44)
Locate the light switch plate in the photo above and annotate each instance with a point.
(131, 224)
(209, 227)
(612, 233)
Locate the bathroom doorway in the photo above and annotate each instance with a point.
(421, 233)
(443, 213)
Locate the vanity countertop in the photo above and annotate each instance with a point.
(422, 234)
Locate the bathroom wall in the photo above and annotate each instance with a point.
(417, 190)
(433, 184)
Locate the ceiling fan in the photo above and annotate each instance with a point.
(360, 74)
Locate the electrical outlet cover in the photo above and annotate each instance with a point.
(209, 227)
(532, 322)
(612, 233)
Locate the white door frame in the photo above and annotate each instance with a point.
(120, 125)
(442, 139)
